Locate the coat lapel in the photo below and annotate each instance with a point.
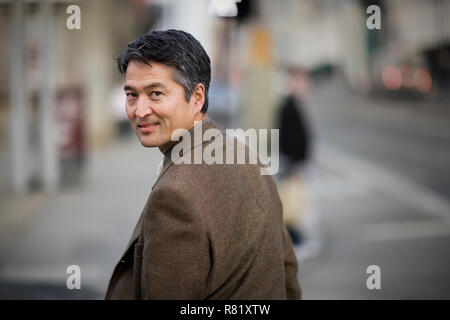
(206, 124)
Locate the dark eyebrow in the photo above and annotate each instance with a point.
(150, 86)
(129, 88)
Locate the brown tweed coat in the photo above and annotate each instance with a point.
(208, 231)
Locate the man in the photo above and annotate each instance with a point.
(208, 231)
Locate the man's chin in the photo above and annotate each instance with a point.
(152, 141)
(148, 143)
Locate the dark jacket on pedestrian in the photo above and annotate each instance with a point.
(294, 131)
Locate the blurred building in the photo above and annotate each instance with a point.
(54, 91)
(52, 72)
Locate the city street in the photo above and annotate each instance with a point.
(381, 197)
(382, 189)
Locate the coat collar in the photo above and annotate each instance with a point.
(167, 161)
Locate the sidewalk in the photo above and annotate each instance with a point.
(89, 226)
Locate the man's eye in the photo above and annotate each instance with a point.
(131, 94)
(156, 93)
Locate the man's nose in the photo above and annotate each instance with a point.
(143, 108)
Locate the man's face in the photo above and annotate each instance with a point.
(156, 104)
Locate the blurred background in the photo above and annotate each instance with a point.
(375, 111)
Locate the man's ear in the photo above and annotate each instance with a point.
(199, 97)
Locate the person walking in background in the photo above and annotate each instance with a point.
(295, 151)
(295, 136)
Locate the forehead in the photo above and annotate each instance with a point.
(141, 74)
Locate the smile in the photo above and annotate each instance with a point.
(147, 127)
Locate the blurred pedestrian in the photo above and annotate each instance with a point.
(208, 231)
(295, 140)
(295, 149)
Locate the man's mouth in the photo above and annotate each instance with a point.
(147, 127)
